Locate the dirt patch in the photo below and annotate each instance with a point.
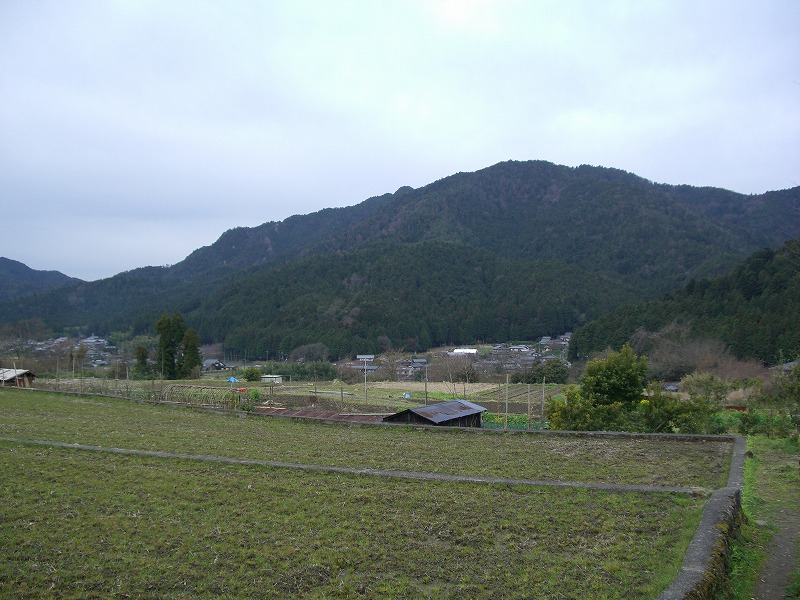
(325, 404)
(777, 570)
(436, 387)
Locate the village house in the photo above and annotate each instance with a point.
(212, 364)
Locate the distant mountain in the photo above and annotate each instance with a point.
(513, 251)
(754, 309)
(19, 280)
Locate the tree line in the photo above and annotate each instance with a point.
(177, 353)
(754, 310)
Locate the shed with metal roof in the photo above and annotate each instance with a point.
(456, 413)
(16, 377)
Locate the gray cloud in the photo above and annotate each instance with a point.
(147, 129)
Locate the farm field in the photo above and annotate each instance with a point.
(381, 396)
(92, 524)
(118, 423)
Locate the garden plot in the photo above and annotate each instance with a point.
(149, 526)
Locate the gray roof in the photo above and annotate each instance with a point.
(447, 411)
(9, 374)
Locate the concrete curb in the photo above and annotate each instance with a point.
(706, 566)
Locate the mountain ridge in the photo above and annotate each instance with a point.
(602, 225)
(20, 280)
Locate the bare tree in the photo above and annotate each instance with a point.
(19, 339)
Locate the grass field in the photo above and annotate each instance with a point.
(94, 524)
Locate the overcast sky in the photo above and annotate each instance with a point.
(133, 132)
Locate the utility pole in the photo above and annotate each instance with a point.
(366, 358)
(426, 384)
(544, 379)
(529, 406)
(505, 423)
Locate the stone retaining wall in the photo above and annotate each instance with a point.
(706, 568)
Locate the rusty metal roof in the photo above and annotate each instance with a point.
(446, 411)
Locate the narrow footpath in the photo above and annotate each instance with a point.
(782, 554)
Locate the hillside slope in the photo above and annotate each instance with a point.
(19, 280)
(755, 310)
(616, 239)
(598, 219)
(410, 296)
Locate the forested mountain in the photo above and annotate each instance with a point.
(755, 310)
(604, 220)
(277, 242)
(513, 251)
(414, 296)
(20, 280)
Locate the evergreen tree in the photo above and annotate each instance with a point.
(620, 377)
(170, 334)
(141, 367)
(189, 355)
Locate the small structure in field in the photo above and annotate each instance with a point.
(456, 413)
(16, 378)
(464, 352)
(276, 379)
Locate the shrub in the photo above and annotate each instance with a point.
(620, 377)
(575, 412)
(706, 386)
(772, 425)
(552, 371)
(665, 413)
(610, 391)
(249, 374)
(610, 398)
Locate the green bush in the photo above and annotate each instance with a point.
(248, 401)
(725, 421)
(610, 398)
(782, 399)
(665, 413)
(618, 378)
(576, 412)
(249, 374)
(771, 425)
(609, 395)
(552, 371)
(707, 386)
